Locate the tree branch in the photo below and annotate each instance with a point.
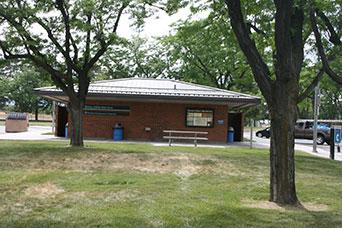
(312, 86)
(8, 55)
(56, 43)
(56, 75)
(61, 7)
(259, 68)
(116, 24)
(334, 38)
(87, 48)
(256, 29)
(105, 45)
(320, 49)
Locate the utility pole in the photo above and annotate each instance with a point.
(316, 114)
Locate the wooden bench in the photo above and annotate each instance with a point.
(187, 135)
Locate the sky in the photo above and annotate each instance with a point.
(157, 25)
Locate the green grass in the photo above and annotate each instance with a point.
(48, 184)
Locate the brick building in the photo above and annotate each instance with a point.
(146, 107)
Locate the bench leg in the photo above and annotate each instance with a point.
(195, 141)
(170, 140)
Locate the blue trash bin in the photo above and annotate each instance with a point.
(66, 131)
(230, 137)
(118, 132)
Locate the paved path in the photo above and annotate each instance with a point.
(33, 133)
(300, 144)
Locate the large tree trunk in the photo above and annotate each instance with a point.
(282, 173)
(76, 111)
(281, 93)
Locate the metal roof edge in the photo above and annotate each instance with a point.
(189, 98)
(162, 79)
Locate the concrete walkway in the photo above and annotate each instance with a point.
(33, 133)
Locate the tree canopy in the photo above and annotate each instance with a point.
(67, 39)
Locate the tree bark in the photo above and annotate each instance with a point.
(76, 111)
(282, 172)
(282, 93)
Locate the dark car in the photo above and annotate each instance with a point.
(263, 133)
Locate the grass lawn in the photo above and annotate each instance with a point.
(48, 184)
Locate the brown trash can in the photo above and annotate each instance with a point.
(16, 122)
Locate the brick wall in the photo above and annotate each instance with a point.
(157, 116)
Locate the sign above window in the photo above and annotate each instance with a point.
(107, 110)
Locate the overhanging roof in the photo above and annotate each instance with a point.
(156, 90)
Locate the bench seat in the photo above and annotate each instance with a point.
(186, 135)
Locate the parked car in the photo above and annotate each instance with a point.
(264, 133)
(304, 130)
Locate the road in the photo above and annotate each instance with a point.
(300, 144)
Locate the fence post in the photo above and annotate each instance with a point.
(332, 143)
(251, 136)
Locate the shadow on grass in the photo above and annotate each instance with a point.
(319, 166)
(222, 217)
(242, 217)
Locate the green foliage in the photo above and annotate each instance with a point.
(134, 58)
(18, 89)
(205, 52)
(21, 90)
(66, 38)
(331, 100)
(3, 93)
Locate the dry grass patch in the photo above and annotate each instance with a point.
(42, 191)
(181, 164)
(94, 198)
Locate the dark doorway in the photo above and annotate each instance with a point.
(235, 120)
(62, 120)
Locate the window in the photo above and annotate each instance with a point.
(308, 125)
(199, 118)
(300, 125)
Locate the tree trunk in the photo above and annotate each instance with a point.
(76, 111)
(283, 118)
